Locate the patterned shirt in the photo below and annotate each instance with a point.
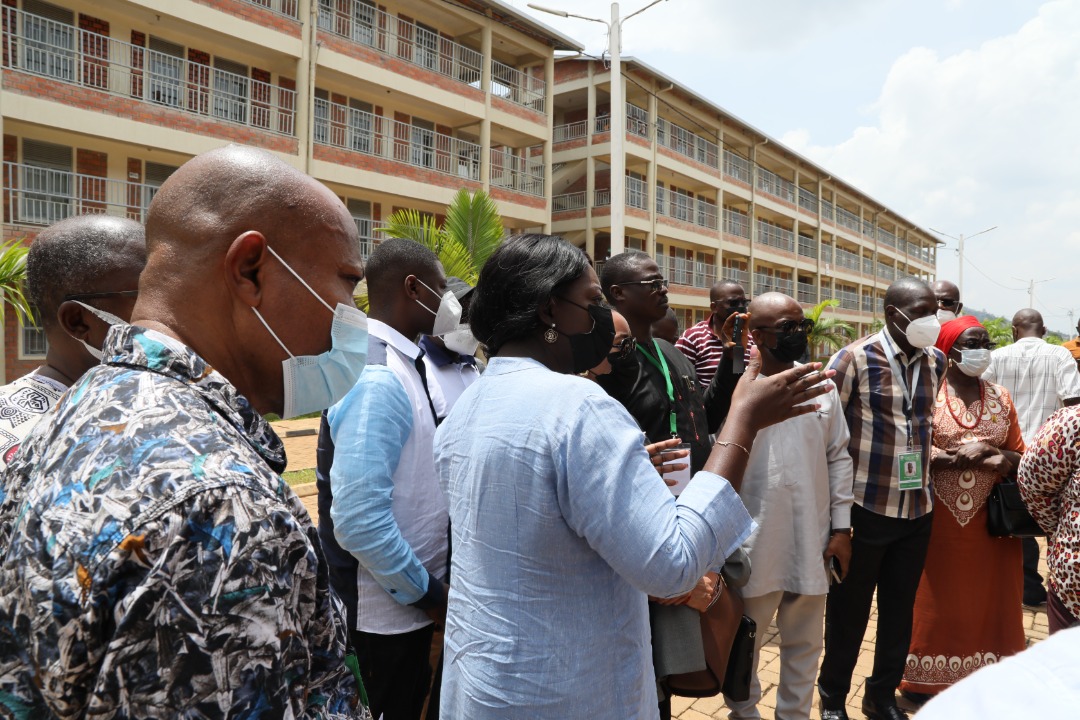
(701, 346)
(1038, 375)
(155, 565)
(22, 403)
(874, 407)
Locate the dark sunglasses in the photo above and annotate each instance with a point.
(791, 326)
(654, 285)
(96, 295)
(624, 348)
(948, 302)
(739, 305)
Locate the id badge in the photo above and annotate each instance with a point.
(910, 469)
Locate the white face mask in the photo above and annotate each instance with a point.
(107, 317)
(461, 340)
(921, 332)
(315, 382)
(448, 316)
(945, 316)
(973, 362)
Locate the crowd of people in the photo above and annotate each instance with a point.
(541, 466)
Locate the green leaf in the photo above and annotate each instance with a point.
(12, 275)
(829, 333)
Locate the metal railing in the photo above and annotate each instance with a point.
(637, 193)
(683, 271)
(681, 206)
(737, 274)
(849, 299)
(869, 229)
(773, 235)
(570, 131)
(637, 121)
(41, 196)
(770, 283)
(826, 254)
(368, 240)
(808, 201)
(886, 272)
(849, 220)
(770, 183)
(807, 293)
(75, 56)
(867, 303)
(568, 201)
(514, 172)
(827, 210)
(736, 222)
(807, 247)
(518, 87)
(738, 167)
(868, 266)
(687, 143)
(602, 197)
(403, 39)
(363, 132)
(288, 8)
(847, 259)
(886, 238)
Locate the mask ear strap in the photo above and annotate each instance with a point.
(107, 317)
(302, 282)
(272, 333)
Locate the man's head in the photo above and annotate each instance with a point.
(726, 297)
(1028, 323)
(948, 300)
(90, 260)
(622, 346)
(237, 238)
(667, 327)
(906, 301)
(778, 326)
(632, 282)
(406, 284)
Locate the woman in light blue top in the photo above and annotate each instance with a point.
(561, 525)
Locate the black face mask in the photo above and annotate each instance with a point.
(590, 349)
(789, 346)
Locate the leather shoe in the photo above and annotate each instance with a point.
(881, 711)
(834, 714)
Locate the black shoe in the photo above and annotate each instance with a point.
(1035, 598)
(912, 701)
(882, 711)
(834, 714)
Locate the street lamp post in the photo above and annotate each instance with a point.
(960, 251)
(617, 122)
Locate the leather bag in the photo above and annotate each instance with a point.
(1007, 515)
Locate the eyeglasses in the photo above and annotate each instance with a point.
(947, 302)
(976, 345)
(739, 305)
(654, 285)
(96, 295)
(790, 326)
(624, 348)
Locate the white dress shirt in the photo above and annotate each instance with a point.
(1039, 376)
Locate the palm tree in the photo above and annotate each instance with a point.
(1000, 331)
(829, 333)
(12, 274)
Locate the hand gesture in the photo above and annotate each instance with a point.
(970, 455)
(761, 401)
(662, 452)
(728, 330)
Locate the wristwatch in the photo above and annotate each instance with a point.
(841, 531)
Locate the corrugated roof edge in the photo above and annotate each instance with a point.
(560, 41)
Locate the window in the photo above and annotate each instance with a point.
(427, 47)
(165, 64)
(423, 143)
(363, 22)
(361, 121)
(46, 184)
(326, 15)
(49, 47)
(230, 86)
(32, 340)
(322, 117)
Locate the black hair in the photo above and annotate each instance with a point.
(516, 280)
(392, 261)
(619, 268)
(71, 256)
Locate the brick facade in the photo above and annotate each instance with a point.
(260, 16)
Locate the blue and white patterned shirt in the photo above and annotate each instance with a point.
(155, 565)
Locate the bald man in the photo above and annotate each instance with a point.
(797, 487)
(156, 565)
(1041, 378)
(948, 300)
(82, 277)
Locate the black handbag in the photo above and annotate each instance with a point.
(740, 667)
(1007, 515)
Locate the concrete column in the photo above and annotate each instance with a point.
(305, 83)
(485, 124)
(650, 176)
(590, 201)
(549, 106)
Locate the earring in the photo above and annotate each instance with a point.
(551, 334)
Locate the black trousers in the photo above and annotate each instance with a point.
(887, 554)
(1034, 592)
(396, 671)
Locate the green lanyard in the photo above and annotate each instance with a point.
(661, 365)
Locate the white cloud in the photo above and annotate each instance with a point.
(986, 136)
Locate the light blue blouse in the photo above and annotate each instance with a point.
(561, 527)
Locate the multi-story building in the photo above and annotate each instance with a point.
(711, 197)
(391, 105)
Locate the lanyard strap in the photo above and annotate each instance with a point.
(909, 393)
(660, 362)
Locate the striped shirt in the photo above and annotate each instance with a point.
(701, 346)
(873, 403)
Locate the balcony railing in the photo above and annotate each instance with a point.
(569, 201)
(827, 210)
(885, 272)
(738, 275)
(637, 193)
(569, 131)
(518, 87)
(849, 299)
(770, 183)
(687, 143)
(807, 247)
(867, 266)
(378, 136)
(513, 172)
(807, 293)
(868, 303)
(769, 283)
(403, 39)
(602, 197)
(683, 271)
(637, 122)
(41, 196)
(886, 238)
(736, 223)
(808, 201)
(775, 236)
(738, 167)
(826, 254)
(681, 206)
(75, 56)
(849, 220)
(288, 8)
(846, 259)
(368, 239)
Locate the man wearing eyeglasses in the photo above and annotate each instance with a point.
(948, 300)
(704, 343)
(82, 277)
(798, 489)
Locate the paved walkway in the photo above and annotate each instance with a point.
(300, 446)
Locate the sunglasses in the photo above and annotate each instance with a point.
(948, 302)
(624, 348)
(96, 295)
(654, 285)
(790, 326)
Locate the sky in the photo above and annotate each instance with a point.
(960, 115)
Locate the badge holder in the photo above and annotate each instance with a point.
(910, 468)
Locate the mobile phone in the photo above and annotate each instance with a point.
(738, 353)
(833, 566)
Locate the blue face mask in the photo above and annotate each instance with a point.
(315, 382)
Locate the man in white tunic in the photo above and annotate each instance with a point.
(798, 488)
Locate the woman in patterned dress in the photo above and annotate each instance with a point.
(967, 610)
